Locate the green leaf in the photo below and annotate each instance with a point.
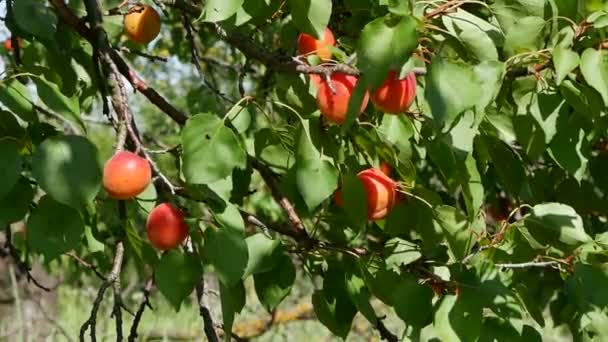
(14, 205)
(176, 275)
(230, 218)
(530, 303)
(582, 286)
(10, 167)
(525, 35)
(218, 10)
(397, 130)
(459, 233)
(447, 98)
(474, 33)
(567, 150)
(227, 251)
(53, 228)
(354, 199)
(273, 286)
(552, 222)
(458, 318)
(263, 252)
(210, 149)
(399, 252)
(594, 68)
(530, 135)
(508, 166)
(385, 43)
(232, 300)
(16, 98)
(564, 60)
(34, 17)
(67, 168)
(51, 95)
(316, 179)
(141, 249)
(331, 314)
(360, 296)
(412, 301)
(311, 16)
(332, 305)
(316, 182)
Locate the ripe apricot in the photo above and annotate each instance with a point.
(334, 106)
(381, 193)
(308, 44)
(142, 24)
(8, 44)
(166, 227)
(126, 175)
(394, 95)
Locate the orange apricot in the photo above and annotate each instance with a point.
(126, 175)
(142, 24)
(334, 106)
(395, 96)
(307, 44)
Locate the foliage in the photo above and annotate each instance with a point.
(502, 159)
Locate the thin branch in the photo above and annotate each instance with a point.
(140, 311)
(22, 266)
(385, 334)
(112, 277)
(86, 265)
(209, 327)
(552, 264)
(141, 54)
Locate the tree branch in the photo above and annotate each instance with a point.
(552, 264)
(140, 311)
(209, 327)
(112, 277)
(22, 266)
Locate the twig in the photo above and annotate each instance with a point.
(140, 311)
(195, 59)
(22, 266)
(298, 229)
(209, 327)
(141, 54)
(112, 277)
(385, 334)
(86, 265)
(552, 264)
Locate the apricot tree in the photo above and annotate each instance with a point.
(446, 158)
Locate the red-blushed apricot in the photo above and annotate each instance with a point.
(8, 44)
(334, 106)
(395, 96)
(142, 24)
(126, 175)
(166, 227)
(381, 193)
(308, 44)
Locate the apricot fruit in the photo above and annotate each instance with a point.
(381, 193)
(8, 44)
(166, 227)
(308, 44)
(126, 175)
(395, 96)
(386, 168)
(142, 24)
(334, 106)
